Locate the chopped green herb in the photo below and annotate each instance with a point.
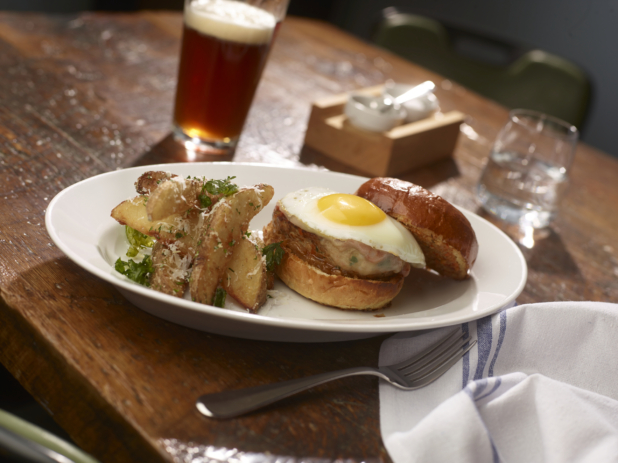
(137, 240)
(219, 298)
(221, 187)
(273, 253)
(353, 260)
(205, 200)
(178, 235)
(137, 271)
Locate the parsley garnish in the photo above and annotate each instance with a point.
(221, 187)
(273, 253)
(137, 271)
(205, 200)
(219, 299)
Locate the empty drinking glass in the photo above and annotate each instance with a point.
(527, 170)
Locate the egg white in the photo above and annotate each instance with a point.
(301, 208)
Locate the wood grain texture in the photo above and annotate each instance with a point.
(90, 93)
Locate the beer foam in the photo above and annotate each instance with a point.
(228, 20)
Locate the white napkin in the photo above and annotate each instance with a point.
(541, 385)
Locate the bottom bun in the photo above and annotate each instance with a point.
(337, 290)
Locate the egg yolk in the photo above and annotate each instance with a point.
(350, 210)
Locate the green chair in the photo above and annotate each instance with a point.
(534, 80)
(21, 440)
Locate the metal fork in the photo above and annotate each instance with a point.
(413, 373)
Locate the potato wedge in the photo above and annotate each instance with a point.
(132, 212)
(168, 199)
(223, 230)
(246, 278)
(171, 270)
(178, 196)
(149, 181)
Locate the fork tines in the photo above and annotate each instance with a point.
(429, 360)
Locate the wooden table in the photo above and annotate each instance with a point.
(81, 95)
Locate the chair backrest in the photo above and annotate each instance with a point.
(534, 80)
(21, 440)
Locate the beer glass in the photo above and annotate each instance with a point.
(225, 45)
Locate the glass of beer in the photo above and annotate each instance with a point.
(225, 45)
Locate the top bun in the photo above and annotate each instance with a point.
(442, 231)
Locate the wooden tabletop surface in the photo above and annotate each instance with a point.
(85, 94)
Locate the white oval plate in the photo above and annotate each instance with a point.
(78, 221)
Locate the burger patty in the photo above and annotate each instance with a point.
(336, 257)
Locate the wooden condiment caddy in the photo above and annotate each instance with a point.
(401, 149)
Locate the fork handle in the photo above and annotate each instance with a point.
(229, 404)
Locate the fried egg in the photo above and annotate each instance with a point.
(349, 217)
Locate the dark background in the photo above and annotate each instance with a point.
(582, 31)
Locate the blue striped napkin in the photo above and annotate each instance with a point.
(540, 386)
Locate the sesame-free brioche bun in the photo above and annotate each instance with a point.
(337, 290)
(333, 290)
(442, 231)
